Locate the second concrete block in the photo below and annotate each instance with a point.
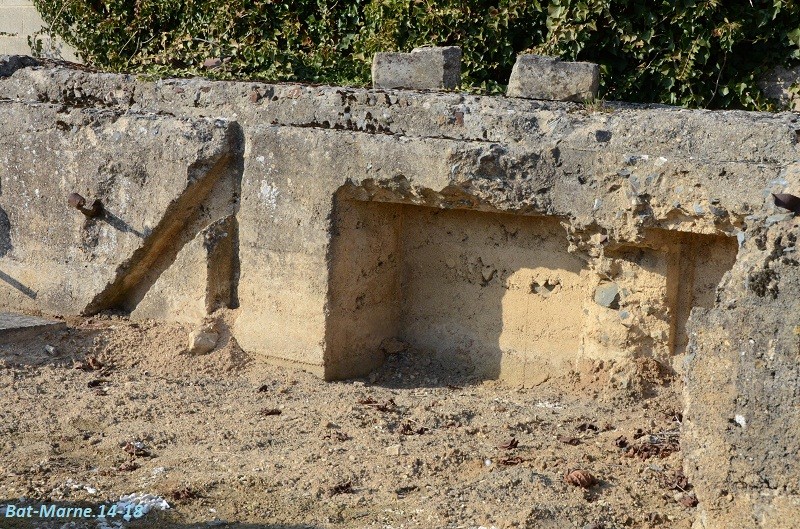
(540, 77)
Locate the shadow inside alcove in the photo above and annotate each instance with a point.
(432, 296)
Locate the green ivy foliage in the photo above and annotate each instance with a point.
(689, 53)
(683, 52)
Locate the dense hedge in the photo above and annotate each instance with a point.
(693, 53)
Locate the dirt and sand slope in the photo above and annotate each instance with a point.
(110, 408)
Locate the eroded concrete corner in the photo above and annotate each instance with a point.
(742, 426)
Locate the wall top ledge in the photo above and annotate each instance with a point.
(653, 130)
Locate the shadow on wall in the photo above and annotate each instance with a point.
(500, 295)
(118, 224)
(497, 294)
(5, 233)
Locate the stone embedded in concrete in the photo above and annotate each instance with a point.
(55, 260)
(422, 69)
(540, 77)
(656, 284)
(607, 295)
(15, 327)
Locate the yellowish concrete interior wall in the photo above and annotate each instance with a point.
(660, 281)
(497, 292)
(19, 20)
(502, 296)
(364, 299)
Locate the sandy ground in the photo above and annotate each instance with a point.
(109, 408)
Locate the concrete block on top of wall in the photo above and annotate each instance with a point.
(422, 69)
(540, 77)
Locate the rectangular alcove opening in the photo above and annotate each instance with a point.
(645, 292)
(500, 295)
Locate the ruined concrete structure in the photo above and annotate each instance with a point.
(521, 237)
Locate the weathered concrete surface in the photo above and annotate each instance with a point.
(405, 113)
(621, 181)
(483, 229)
(422, 69)
(540, 77)
(55, 260)
(742, 423)
(371, 250)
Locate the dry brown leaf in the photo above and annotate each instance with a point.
(580, 478)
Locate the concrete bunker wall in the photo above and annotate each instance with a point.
(155, 201)
(501, 293)
(635, 207)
